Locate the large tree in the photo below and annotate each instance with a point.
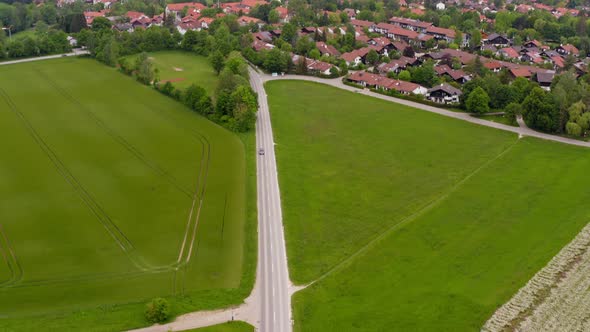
(478, 101)
(540, 112)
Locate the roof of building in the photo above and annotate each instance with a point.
(446, 88)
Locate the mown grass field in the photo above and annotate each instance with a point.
(412, 221)
(183, 69)
(101, 177)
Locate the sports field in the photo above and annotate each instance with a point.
(183, 69)
(411, 221)
(111, 194)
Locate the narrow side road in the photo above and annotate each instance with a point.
(75, 52)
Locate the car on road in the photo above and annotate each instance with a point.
(261, 152)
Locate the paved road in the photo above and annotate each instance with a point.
(40, 58)
(273, 274)
(524, 131)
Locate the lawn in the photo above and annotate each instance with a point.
(410, 220)
(497, 118)
(236, 326)
(102, 176)
(183, 69)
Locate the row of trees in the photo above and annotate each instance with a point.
(44, 41)
(562, 109)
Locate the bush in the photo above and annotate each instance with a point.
(157, 311)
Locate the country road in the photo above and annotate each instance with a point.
(273, 273)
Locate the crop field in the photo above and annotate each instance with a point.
(410, 221)
(183, 69)
(111, 194)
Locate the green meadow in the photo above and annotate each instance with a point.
(409, 221)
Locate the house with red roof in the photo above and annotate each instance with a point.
(247, 20)
(520, 72)
(508, 52)
(383, 83)
(355, 57)
(567, 49)
(326, 49)
(283, 12)
(395, 32)
(176, 9)
(90, 15)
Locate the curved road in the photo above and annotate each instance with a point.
(337, 82)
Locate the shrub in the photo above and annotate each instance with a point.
(157, 311)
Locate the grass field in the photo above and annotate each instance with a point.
(102, 176)
(498, 118)
(183, 69)
(422, 223)
(236, 326)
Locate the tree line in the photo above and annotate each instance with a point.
(234, 103)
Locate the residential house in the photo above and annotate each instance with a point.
(498, 40)
(355, 57)
(410, 24)
(176, 9)
(545, 79)
(444, 94)
(326, 49)
(567, 49)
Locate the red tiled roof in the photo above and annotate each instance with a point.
(176, 7)
(520, 72)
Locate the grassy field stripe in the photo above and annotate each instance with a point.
(431, 204)
(223, 218)
(113, 230)
(117, 137)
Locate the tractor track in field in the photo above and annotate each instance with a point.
(98, 211)
(184, 260)
(16, 271)
(191, 228)
(116, 136)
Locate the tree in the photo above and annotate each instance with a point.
(511, 111)
(372, 57)
(573, 129)
(540, 112)
(314, 54)
(301, 68)
(405, 75)
(475, 39)
(157, 311)
(244, 108)
(217, 61)
(144, 71)
(478, 101)
(273, 17)
(275, 61)
(100, 24)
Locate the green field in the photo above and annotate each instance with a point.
(236, 326)
(100, 177)
(412, 221)
(497, 118)
(183, 69)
